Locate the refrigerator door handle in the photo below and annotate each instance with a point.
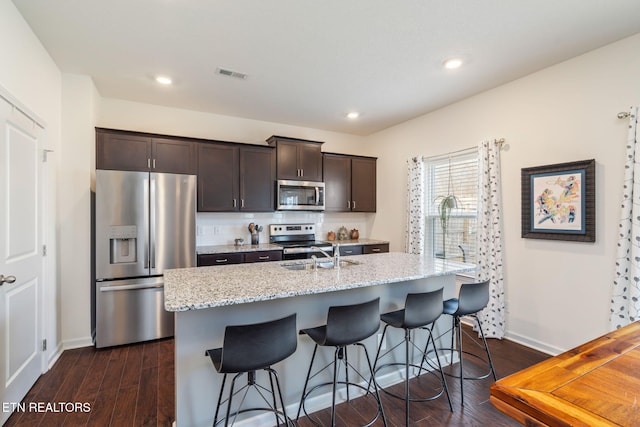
(128, 287)
(152, 219)
(146, 223)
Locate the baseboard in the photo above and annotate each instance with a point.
(525, 341)
(534, 344)
(54, 356)
(77, 343)
(323, 401)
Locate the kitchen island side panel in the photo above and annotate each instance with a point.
(198, 384)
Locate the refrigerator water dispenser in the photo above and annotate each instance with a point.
(122, 244)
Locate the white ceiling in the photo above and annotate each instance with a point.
(309, 62)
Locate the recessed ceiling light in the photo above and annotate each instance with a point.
(164, 80)
(452, 63)
(353, 115)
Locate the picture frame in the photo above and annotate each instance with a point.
(559, 201)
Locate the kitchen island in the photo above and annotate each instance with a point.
(207, 299)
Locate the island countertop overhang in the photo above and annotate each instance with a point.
(205, 287)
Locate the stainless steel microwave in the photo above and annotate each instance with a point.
(294, 195)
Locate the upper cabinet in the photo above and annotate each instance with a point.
(298, 159)
(350, 183)
(234, 177)
(121, 150)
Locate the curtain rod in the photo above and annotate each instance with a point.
(500, 142)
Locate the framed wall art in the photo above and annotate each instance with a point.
(559, 201)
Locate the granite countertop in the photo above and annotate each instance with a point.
(203, 287)
(359, 242)
(223, 249)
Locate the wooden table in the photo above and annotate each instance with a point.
(595, 384)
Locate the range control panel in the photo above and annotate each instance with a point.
(291, 229)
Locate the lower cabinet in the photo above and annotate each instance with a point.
(207, 260)
(375, 249)
(364, 249)
(351, 250)
(262, 256)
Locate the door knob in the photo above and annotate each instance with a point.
(7, 279)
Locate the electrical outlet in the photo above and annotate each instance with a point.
(216, 230)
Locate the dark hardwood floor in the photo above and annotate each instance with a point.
(134, 386)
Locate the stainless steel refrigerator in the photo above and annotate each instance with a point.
(144, 224)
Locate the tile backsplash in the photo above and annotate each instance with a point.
(224, 228)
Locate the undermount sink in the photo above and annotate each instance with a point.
(306, 265)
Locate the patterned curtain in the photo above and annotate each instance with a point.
(489, 259)
(415, 230)
(625, 300)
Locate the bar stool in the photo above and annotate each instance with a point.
(472, 298)
(346, 325)
(421, 310)
(248, 348)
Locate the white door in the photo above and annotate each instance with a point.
(21, 356)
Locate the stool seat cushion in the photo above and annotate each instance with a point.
(451, 306)
(394, 318)
(255, 346)
(317, 334)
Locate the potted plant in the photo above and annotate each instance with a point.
(445, 205)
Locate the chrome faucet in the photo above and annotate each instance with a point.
(335, 257)
(315, 259)
(321, 251)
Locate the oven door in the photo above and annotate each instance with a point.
(299, 195)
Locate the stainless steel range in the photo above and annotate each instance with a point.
(298, 241)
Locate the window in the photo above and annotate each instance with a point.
(458, 175)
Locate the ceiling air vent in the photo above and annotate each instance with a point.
(231, 73)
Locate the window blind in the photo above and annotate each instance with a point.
(456, 174)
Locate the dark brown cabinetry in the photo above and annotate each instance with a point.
(263, 256)
(351, 250)
(121, 150)
(232, 177)
(350, 183)
(375, 249)
(298, 159)
(364, 249)
(206, 260)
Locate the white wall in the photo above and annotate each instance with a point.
(557, 293)
(77, 156)
(29, 74)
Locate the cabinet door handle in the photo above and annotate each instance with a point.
(354, 204)
(154, 163)
(242, 203)
(348, 204)
(264, 257)
(302, 172)
(235, 203)
(375, 250)
(148, 163)
(348, 252)
(221, 260)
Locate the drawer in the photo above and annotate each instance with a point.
(205, 260)
(351, 250)
(376, 249)
(262, 256)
